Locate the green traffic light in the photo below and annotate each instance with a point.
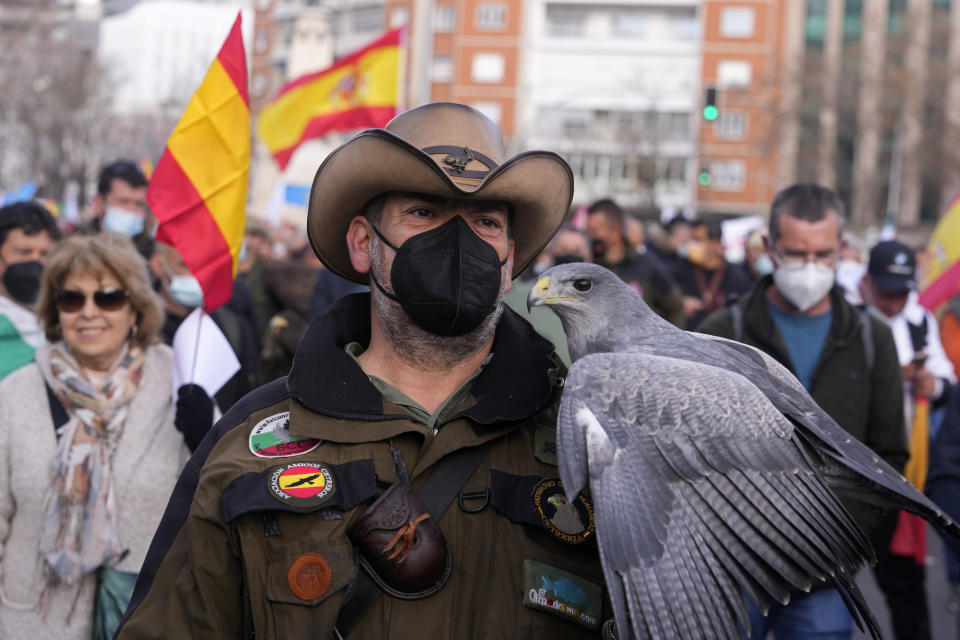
(704, 178)
(710, 113)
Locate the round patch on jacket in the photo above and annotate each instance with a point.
(567, 521)
(270, 438)
(301, 484)
(309, 576)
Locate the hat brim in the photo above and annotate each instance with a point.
(537, 184)
(892, 283)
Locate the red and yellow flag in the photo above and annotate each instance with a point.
(359, 91)
(199, 189)
(942, 278)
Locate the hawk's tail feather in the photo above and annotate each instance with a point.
(818, 507)
(889, 490)
(856, 604)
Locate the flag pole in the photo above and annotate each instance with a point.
(196, 345)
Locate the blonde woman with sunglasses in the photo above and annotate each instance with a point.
(88, 448)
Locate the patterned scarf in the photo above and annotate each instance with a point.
(79, 526)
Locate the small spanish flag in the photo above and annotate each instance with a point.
(942, 279)
(359, 91)
(199, 189)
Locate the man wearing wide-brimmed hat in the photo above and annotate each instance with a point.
(401, 481)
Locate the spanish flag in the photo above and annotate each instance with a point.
(199, 189)
(942, 278)
(359, 91)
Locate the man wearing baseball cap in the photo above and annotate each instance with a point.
(889, 290)
(401, 481)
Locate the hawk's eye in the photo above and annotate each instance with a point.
(583, 285)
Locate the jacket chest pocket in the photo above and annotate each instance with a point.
(305, 587)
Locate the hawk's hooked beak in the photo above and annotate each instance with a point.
(541, 294)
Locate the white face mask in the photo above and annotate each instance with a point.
(804, 284)
(122, 221)
(186, 291)
(763, 264)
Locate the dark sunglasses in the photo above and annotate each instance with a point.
(72, 301)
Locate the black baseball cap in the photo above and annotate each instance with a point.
(893, 266)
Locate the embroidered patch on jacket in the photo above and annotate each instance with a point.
(570, 521)
(545, 445)
(562, 593)
(270, 438)
(309, 576)
(301, 484)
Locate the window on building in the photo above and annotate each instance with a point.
(574, 128)
(729, 175)
(259, 84)
(286, 32)
(675, 127)
(441, 70)
(629, 24)
(493, 110)
(617, 169)
(262, 40)
(736, 22)
(684, 26)
(487, 67)
(675, 170)
(367, 19)
(565, 22)
(399, 16)
(492, 17)
(444, 18)
(588, 169)
(731, 125)
(733, 74)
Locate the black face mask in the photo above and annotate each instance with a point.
(22, 281)
(567, 258)
(598, 247)
(447, 280)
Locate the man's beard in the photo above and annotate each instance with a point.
(419, 348)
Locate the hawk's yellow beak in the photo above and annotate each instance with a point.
(540, 294)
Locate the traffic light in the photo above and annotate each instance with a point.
(710, 111)
(704, 177)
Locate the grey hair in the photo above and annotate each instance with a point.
(804, 201)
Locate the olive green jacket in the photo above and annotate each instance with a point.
(866, 400)
(225, 560)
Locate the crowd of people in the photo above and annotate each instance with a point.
(88, 314)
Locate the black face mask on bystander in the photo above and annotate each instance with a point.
(22, 281)
(567, 258)
(447, 279)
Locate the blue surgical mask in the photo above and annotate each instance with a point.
(763, 265)
(186, 290)
(242, 256)
(122, 221)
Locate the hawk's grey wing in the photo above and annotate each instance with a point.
(771, 364)
(847, 465)
(702, 494)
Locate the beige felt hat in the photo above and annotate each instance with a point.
(442, 149)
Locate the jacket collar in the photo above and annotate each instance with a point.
(759, 324)
(324, 378)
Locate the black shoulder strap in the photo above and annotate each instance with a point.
(736, 317)
(866, 332)
(449, 476)
(57, 412)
